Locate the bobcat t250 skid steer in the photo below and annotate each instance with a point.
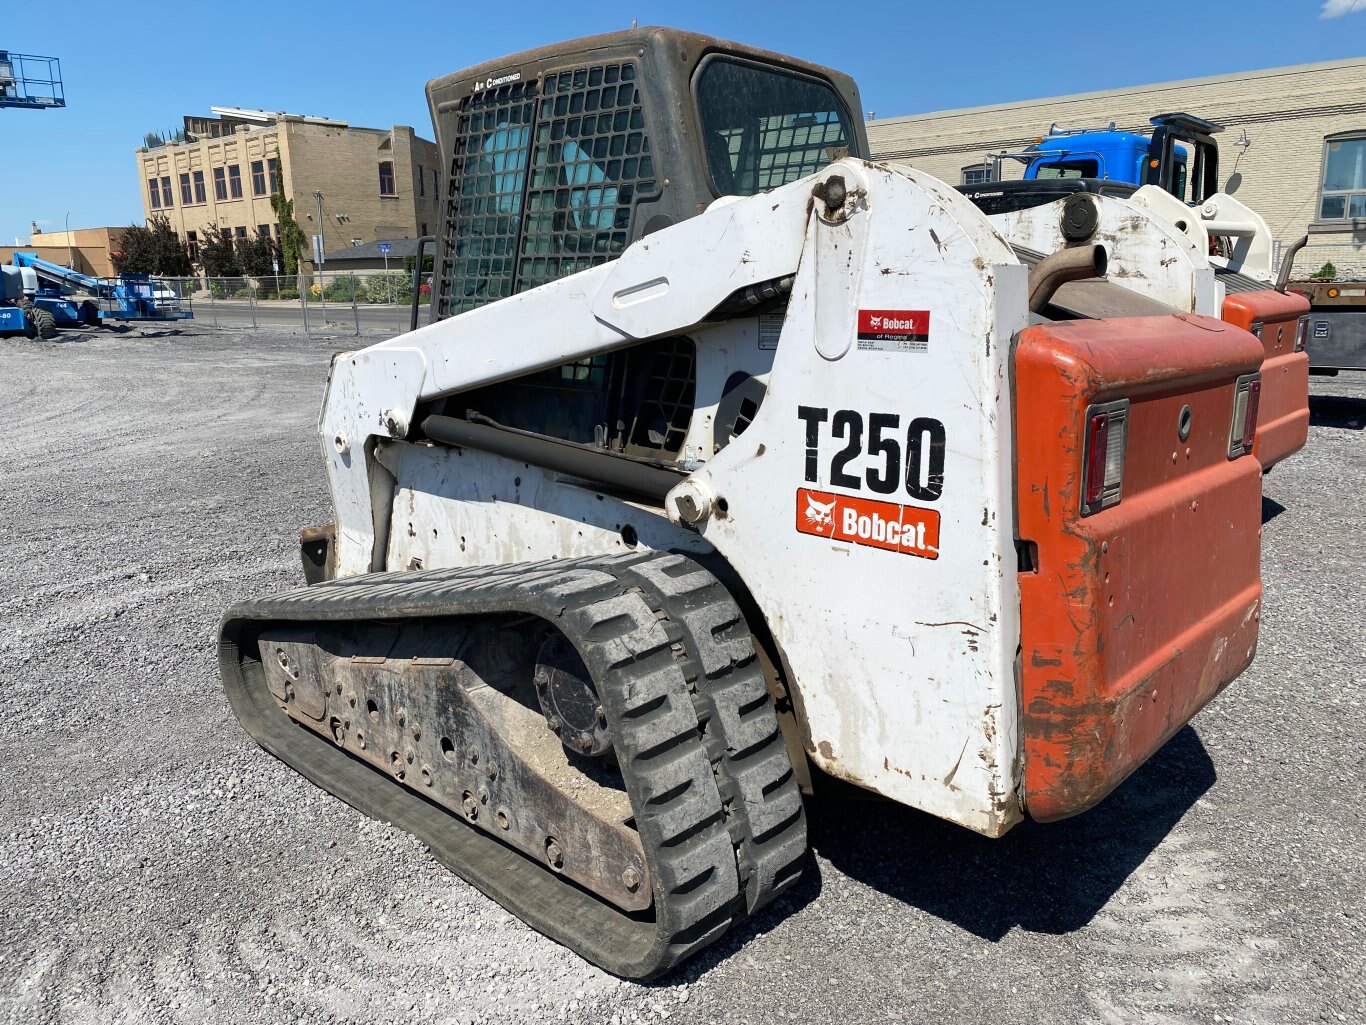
(729, 453)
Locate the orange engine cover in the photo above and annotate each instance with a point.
(1283, 415)
(1132, 617)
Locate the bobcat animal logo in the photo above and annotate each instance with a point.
(820, 514)
(875, 322)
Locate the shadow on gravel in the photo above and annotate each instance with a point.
(1270, 509)
(1337, 411)
(1045, 878)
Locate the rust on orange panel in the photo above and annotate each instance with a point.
(1283, 411)
(1132, 617)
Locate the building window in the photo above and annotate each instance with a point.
(421, 181)
(166, 191)
(273, 175)
(241, 231)
(186, 196)
(220, 184)
(192, 245)
(1343, 192)
(263, 230)
(436, 184)
(258, 178)
(235, 180)
(199, 196)
(977, 174)
(386, 178)
(424, 228)
(154, 191)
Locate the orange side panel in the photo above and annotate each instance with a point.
(1134, 616)
(1283, 414)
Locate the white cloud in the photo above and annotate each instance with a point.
(1337, 8)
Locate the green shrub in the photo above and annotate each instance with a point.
(382, 288)
(289, 293)
(342, 289)
(1325, 273)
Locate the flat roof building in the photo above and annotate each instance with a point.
(1293, 146)
(374, 183)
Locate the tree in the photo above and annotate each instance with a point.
(256, 256)
(428, 262)
(218, 255)
(292, 238)
(153, 249)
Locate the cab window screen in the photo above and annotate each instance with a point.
(764, 128)
(1069, 169)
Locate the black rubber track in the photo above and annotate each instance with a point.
(714, 648)
(675, 672)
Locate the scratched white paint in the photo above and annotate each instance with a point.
(1146, 252)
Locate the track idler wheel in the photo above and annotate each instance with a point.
(569, 700)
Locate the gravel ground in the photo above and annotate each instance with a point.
(156, 866)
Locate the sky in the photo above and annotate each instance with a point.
(137, 67)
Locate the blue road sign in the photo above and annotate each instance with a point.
(384, 248)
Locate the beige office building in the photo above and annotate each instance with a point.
(87, 250)
(375, 184)
(1293, 146)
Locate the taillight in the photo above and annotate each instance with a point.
(1107, 430)
(1302, 333)
(1242, 431)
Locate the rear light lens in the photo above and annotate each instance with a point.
(1107, 432)
(1302, 333)
(1243, 430)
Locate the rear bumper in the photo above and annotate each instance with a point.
(1283, 436)
(1154, 642)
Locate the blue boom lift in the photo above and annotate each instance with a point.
(125, 297)
(33, 83)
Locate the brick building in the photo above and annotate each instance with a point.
(376, 184)
(1293, 147)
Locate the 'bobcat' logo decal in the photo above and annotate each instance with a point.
(819, 514)
(847, 519)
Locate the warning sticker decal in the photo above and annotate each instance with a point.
(863, 521)
(894, 330)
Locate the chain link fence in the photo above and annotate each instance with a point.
(366, 303)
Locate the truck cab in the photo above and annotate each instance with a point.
(1180, 156)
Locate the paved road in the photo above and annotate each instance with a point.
(155, 866)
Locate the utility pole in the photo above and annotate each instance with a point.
(322, 248)
(322, 231)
